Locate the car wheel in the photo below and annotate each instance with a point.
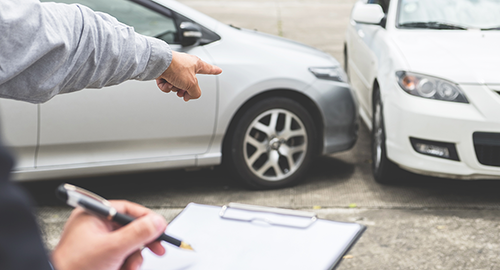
(384, 170)
(273, 144)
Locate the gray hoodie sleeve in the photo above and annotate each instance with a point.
(48, 48)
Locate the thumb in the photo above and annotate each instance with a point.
(139, 233)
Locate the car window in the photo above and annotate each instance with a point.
(484, 14)
(144, 20)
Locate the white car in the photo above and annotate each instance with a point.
(427, 77)
(277, 105)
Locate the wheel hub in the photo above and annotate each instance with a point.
(275, 144)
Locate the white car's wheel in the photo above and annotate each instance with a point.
(384, 170)
(273, 143)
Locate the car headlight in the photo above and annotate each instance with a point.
(329, 73)
(430, 87)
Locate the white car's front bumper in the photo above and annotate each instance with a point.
(408, 116)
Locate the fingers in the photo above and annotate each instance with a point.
(181, 75)
(167, 88)
(138, 233)
(194, 91)
(184, 94)
(130, 208)
(142, 231)
(157, 248)
(205, 68)
(133, 262)
(187, 97)
(164, 86)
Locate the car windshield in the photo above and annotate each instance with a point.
(449, 14)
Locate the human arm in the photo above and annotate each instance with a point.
(21, 246)
(51, 48)
(101, 244)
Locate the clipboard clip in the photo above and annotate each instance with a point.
(268, 215)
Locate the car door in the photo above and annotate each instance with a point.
(19, 131)
(133, 122)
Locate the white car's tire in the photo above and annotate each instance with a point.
(384, 170)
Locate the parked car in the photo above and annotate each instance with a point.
(277, 105)
(426, 74)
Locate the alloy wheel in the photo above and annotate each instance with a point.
(275, 144)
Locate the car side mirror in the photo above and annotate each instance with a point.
(190, 34)
(368, 13)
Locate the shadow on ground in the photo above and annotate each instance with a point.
(328, 176)
(334, 181)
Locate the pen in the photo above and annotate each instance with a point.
(75, 196)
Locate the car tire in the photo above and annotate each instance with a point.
(273, 144)
(384, 170)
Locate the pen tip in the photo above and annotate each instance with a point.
(186, 246)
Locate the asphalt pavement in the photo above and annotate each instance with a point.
(418, 223)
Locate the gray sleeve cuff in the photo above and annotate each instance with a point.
(159, 59)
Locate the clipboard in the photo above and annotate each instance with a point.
(243, 237)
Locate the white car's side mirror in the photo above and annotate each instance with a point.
(368, 13)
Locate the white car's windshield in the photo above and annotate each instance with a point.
(449, 14)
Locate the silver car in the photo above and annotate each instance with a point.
(277, 105)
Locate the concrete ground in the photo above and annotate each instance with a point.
(418, 223)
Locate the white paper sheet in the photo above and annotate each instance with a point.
(238, 245)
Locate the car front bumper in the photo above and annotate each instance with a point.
(339, 108)
(441, 121)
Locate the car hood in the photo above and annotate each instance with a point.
(287, 44)
(459, 56)
(285, 47)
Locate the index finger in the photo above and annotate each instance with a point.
(206, 68)
(130, 208)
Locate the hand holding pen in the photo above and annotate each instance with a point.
(94, 242)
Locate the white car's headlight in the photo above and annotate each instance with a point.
(329, 73)
(430, 87)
